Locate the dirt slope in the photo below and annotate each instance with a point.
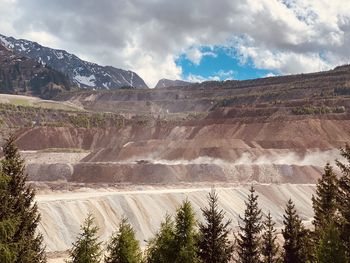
(222, 149)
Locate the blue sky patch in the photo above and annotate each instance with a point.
(219, 63)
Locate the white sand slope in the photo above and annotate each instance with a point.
(62, 213)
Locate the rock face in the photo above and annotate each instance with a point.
(22, 75)
(84, 74)
(165, 83)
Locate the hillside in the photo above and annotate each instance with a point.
(84, 74)
(22, 75)
(165, 83)
(30, 101)
(315, 89)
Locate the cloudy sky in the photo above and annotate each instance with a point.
(193, 40)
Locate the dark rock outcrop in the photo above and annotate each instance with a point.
(22, 75)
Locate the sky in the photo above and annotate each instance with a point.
(194, 40)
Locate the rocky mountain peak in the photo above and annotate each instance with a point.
(84, 74)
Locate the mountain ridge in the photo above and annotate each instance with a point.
(86, 75)
(165, 83)
(22, 75)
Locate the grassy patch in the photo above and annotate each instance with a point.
(56, 106)
(20, 102)
(64, 150)
(313, 110)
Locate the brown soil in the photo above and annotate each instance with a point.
(116, 152)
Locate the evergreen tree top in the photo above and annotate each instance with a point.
(87, 248)
(249, 235)
(185, 234)
(123, 246)
(161, 248)
(269, 248)
(296, 239)
(185, 220)
(324, 202)
(252, 213)
(214, 244)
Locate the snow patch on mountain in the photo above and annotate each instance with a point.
(88, 81)
(40, 60)
(59, 54)
(6, 43)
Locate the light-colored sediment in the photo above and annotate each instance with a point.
(62, 213)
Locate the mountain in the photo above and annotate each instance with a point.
(22, 75)
(165, 83)
(84, 74)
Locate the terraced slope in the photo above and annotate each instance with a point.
(290, 148)
(277, 133)
(295, 90)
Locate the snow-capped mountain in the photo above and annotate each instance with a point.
(85, 74)
(165, 83)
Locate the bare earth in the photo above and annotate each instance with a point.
(63, 212)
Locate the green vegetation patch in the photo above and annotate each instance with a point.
(63, 150)
(20, 102)
(96, 120)
(314, 110)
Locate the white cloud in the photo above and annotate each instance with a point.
(194, 55)
(284, 62)
(44, 38)
(270, 74)
(220, 75)
(225, 75)
(151, 70)
(147, 36)
(195, 78)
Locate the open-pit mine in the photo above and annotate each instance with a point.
(139, 153)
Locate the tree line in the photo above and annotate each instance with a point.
(181, 238)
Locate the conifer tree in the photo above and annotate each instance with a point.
(214, 245)
(8, 253)
(123, 246)
(160, 249)
(8, 224)
(87, 248)
(325, 201)
(21, 207)
(269, 247)
(344, 199)
(249, 235)
(185, 235)
(330, 248)
(295, 237)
